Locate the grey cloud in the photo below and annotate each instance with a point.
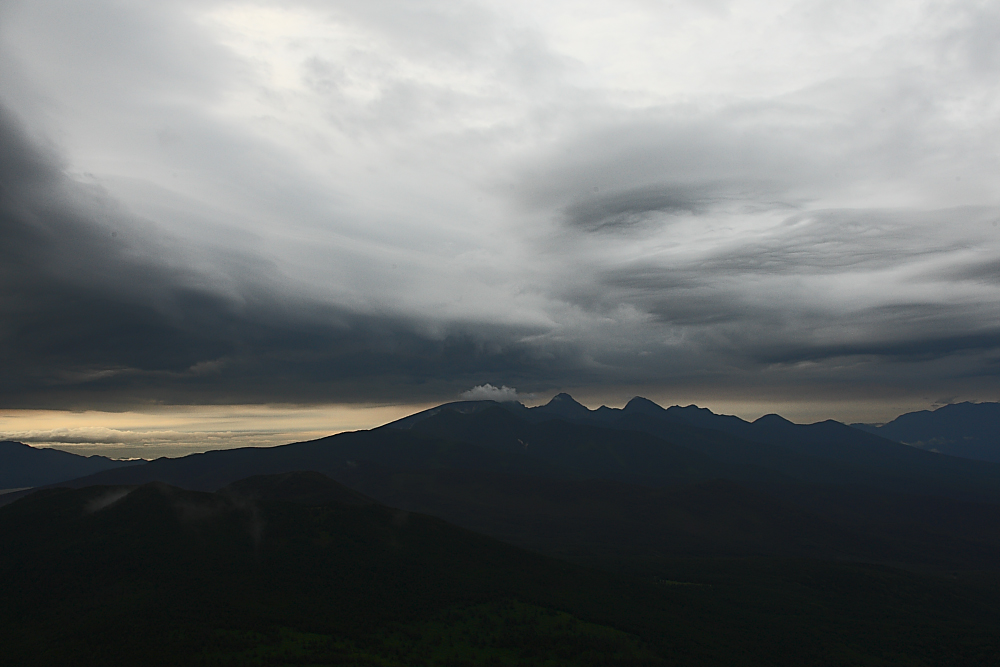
(132, 51)
(673, 160)
(831, 241)
(905, 349)
(987, 272)
(974, 36)
(99, 309)
(635, 208)
(745, 302)
(616, 235)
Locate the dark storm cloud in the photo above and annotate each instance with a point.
(98, 309)
(921, 349)
(354, 201)
(905, 332)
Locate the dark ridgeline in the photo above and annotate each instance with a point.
(799, 544)
(969, 430)
(24, 466)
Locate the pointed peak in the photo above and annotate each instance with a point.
(564, 401)
(564, 405)
(642, 405)
(690, 409)
(771, 420)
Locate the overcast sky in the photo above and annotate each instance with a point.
(378, 202)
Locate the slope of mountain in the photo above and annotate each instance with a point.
(25, 466)
(586, 450)
(968, 430)
(492, 468)
(157, 575)
(619, 525)
(880, 461)
(577, 494)
(826, 453)
(295, 569)
(300, 487)
(212, 470)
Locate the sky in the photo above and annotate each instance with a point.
(229, 223)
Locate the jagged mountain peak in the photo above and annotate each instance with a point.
(565, 404)
(641, 405)
(772, 420)
(692, 408)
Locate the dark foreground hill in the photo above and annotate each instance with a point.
(295, 569)
(158, 575)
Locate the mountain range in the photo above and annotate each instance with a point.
(892, 551)
(623, 485)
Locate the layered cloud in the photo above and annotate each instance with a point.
(388, 202)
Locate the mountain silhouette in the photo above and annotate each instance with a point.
(637, 483)
(968, 430)
(25, 466)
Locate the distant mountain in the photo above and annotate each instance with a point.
(25, 466)
(582, 448)
(826, 452)
(968, 430)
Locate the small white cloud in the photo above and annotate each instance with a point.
(487, 392)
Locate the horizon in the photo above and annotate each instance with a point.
(180, 432)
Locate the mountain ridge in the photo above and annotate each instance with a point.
(969, 430)
(22, 465)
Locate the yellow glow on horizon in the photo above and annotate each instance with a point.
(180, 430)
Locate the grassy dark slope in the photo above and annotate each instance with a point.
(153, 574)
(609, 523)
(602, 521)
(157, 575)
(301, 487)
(22, 465)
